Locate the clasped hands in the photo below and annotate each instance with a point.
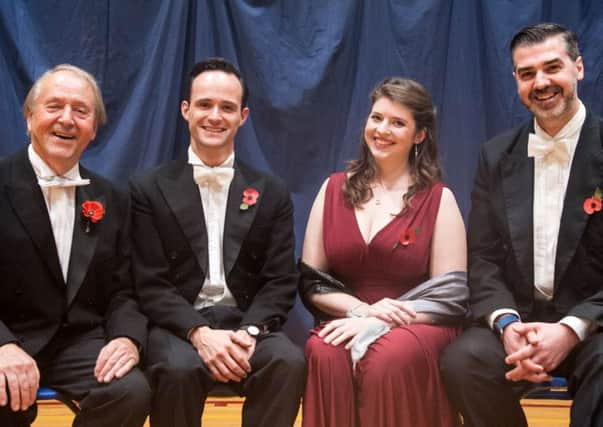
(535, 349)
(20, 377)
(390, 311)
(225, 353)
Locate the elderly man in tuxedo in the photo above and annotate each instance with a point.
(535, 248)
(215, 269)
(67, 316)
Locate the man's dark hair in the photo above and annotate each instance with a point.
(215, 64)
(534, 34)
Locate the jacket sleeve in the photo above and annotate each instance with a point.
(487, 251)
(6, 336)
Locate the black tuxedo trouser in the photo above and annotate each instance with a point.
(67, 365)
(473, 371)
(181, 382)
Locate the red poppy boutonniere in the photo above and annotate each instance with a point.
(408, 237)
(250, 198)
(593, 204)
(93, 212)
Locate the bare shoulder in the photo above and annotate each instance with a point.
(449, 212)
(313, 248)
(323, 188)
(448, 199)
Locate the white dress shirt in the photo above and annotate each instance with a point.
(214, 196)
(550, 184)
(60, 203)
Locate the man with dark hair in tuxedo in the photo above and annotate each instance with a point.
(535, 248)
(215, 269)
(68, 319)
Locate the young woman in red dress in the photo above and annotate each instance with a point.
(382, 227)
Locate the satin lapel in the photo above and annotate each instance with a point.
(29, 205)
(238, 222)
(182, 196)
(85, 238)
(586, 174)
(517, 170)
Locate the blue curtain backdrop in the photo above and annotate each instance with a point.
(310, 65)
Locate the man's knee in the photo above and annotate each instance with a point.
(589, 362)
(471, 351)
(290, 358)
(172, 362)
(282, 359)
(138, 391)
(453, 361)
(296, 363)
(131, 392)
(9, 418)
(170, 376)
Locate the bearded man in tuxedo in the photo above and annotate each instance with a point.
(535, 248)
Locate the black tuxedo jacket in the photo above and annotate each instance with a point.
(35, 301)
(171, 255)
(501, 264)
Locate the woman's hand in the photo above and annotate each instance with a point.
(393, 311)
(346, 329)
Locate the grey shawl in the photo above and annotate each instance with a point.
(445, 298)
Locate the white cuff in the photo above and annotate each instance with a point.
(581, 327)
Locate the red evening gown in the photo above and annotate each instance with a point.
(397, 383)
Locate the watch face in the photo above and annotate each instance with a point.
(253, 330)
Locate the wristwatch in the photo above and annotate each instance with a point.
(503, 321)
(252, 330)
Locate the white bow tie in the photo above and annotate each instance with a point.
(548, 149)
(61, 181)
(218, 177)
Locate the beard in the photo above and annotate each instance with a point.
(564, 106)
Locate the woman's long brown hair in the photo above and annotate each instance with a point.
(425, 169)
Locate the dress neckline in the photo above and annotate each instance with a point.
(374, 237)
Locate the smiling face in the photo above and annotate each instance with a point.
(390, 131)
(214, 115)
(62, 119)
(547, 80)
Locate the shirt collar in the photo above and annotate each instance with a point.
(193, 159)
(42, 169)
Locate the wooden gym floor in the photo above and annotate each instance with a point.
(226, 412)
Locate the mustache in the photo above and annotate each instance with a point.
(546, 90)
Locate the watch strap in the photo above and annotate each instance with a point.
(505, 320)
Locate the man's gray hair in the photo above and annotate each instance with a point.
(99, 106)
